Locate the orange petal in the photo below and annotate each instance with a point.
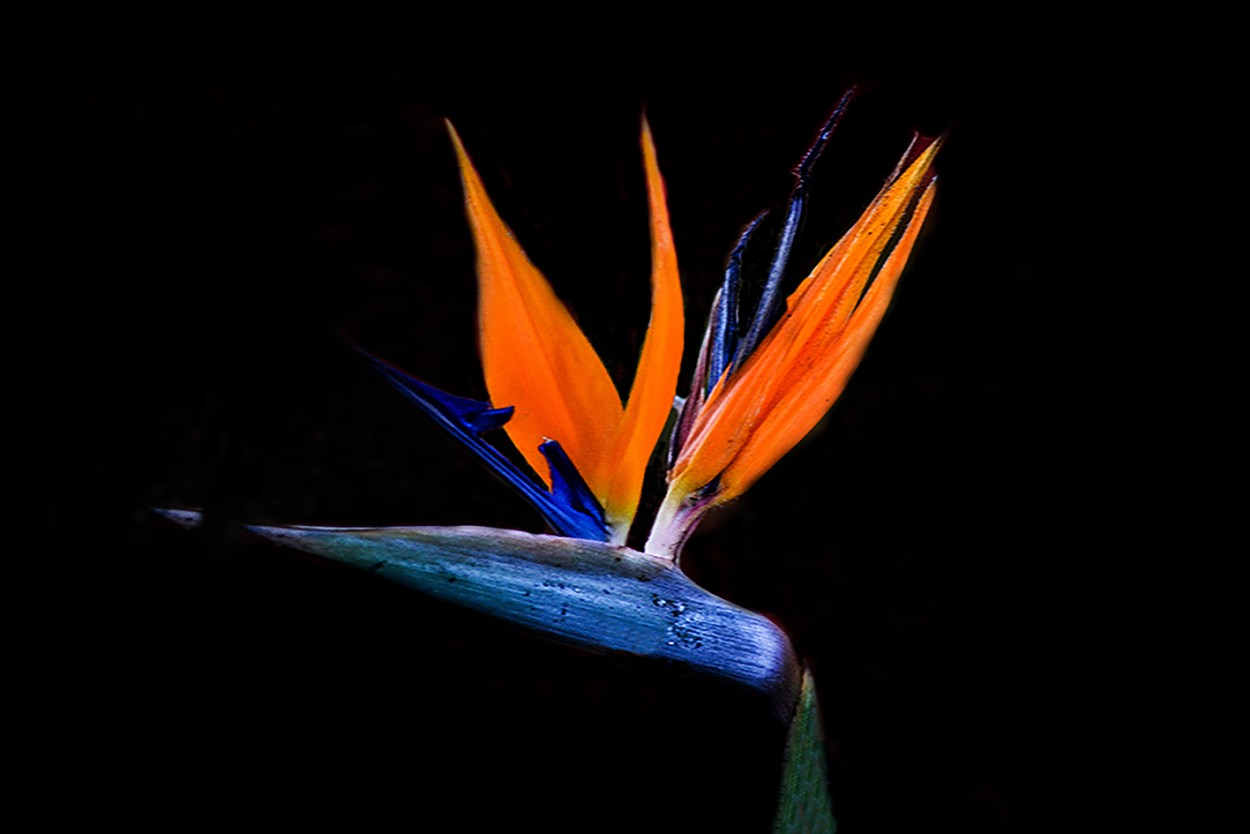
(655, 382)
(534, 355)
(813, 385)
(797, 371)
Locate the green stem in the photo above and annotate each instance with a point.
(805, 805)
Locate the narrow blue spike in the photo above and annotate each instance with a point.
(491, 419)
(724, 319)
(569, 512)
(720, 340)
(474, 415)
(569, 488)
(769, 308)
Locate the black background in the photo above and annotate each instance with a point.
(971, 550)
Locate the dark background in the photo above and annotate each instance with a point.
(972, 551)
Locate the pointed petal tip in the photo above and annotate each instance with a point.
(462, 156)
(451, 131)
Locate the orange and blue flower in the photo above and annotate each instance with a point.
(760, 385)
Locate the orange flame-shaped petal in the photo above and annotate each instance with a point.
(759, 412)
(655, 381)
(536, 358)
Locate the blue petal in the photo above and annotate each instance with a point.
(720, 340)
(723, 350)
(723, 322)
(769, 308)
(571, 509)
(568, 487)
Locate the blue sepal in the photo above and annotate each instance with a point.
(570, 508)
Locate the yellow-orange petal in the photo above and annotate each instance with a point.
(655, 381)
(534, 356)
(797, 371)
(812, 389)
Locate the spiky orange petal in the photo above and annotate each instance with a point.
(534, 355)
(810, 392)
(754, 417)
(655, 382)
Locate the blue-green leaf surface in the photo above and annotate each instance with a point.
(587, 593)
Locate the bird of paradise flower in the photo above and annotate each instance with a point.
(760, 384)
(757, 390)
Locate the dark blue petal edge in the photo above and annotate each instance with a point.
(570, 507)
